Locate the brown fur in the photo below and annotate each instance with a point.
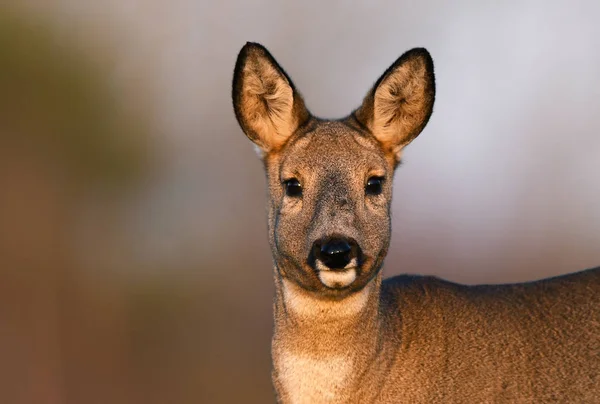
(408, 339)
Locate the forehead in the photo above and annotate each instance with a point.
(333, 145)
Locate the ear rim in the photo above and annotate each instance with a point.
(420, 53)
(238, 84)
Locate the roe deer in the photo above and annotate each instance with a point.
(342, 335)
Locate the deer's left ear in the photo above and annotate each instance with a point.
(400, 103)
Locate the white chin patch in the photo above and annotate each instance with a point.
(339, 278)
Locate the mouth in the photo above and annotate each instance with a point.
(337, 261)
(338, 278)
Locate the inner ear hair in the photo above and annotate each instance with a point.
(266, 104)
(399, 105)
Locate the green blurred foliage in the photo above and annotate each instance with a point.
(56, 102)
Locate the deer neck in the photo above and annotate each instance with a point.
(320, 347)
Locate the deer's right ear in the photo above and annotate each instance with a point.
(266, 104)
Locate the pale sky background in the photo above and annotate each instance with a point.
(502, 184)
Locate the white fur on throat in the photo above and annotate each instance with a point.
(304, 304)
(309, 380)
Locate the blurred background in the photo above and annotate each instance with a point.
(134, 264)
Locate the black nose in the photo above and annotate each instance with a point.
(336, 253)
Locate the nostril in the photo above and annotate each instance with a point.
(335, 253)
(336, 247)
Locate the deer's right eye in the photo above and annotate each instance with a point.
(293, 187)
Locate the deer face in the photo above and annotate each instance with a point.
(329, 221)
(330, 182)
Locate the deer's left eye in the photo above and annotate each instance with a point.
(374, 186)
